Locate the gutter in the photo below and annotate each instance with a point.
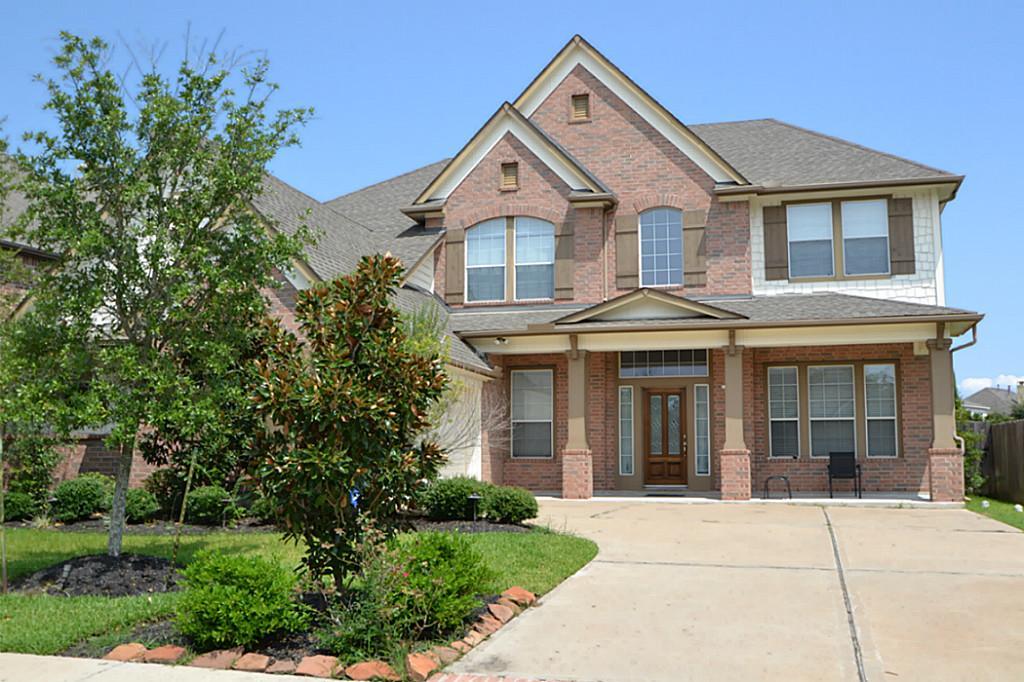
(783, 189)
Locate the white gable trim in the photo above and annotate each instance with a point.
(504, 122)
(578, 52)
(646, 304)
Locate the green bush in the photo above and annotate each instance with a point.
(448, 498)
(19, 506)
(168, 486)
(264, 510)
(141, 505)
(32, 459)
(82, 497)
(508, 504)
(415, 588)
(235, 600)
(206, 506)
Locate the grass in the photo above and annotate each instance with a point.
(42, 624)
(998, 510)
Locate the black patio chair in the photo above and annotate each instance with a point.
(843, 465)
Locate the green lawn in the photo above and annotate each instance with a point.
(47, 625)
(998, 510)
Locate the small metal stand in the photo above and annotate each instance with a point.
(474, 501)
(768, 480)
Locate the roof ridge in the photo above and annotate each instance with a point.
(386, 180)
(862, 147)
(725, 123)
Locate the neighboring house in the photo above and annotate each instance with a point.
(996, 400)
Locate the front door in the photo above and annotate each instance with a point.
(665, 437)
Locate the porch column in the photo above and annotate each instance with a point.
(945, 460)
(577, 460)
(734, 457)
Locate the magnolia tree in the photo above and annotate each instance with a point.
(144, 193)
(345, 408)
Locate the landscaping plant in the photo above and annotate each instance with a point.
(80, 498)
(237, 600)
(211, 505)
(140, 505)
(345, 408)
(146, 195)
(19, 506)
(508, 504)
(448, 498)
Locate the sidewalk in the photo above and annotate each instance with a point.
(28, 668)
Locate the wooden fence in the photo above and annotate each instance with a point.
(1006, 453)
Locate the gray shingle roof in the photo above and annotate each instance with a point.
(772, 153)
(757, 310)
(995, 400)
(408, 300)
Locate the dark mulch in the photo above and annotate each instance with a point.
(423, 525)
(102, 575)
(152, 528)
(153, 634)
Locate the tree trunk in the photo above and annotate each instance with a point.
(117, 510)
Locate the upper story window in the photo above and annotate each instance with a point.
(510, 256)
(661, 247)
(535, 259)
(865, 237)
(810, 240)
(485, 261)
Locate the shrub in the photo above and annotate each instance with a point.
(141, 505)
(19, 506)
(32, 459)
(82, 497)
(508, 504)
(423, 587)
(210, 505)
(168, 486)
(448, 498)
(264, 509)
(234, 600)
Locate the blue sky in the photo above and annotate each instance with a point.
(400, 85)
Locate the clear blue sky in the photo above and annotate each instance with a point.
(400, 85)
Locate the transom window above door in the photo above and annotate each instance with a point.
(661, 247)
(514, 255)
(663, 363)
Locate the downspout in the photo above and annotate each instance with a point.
(974, 339)
(604, 254)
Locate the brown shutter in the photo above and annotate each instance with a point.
(454, 265)
(627, 257)
(901, 236)
(695, 268)
(776, 243)
(565, 260)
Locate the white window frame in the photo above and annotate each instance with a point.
(895, 418)
(512, 420)
(811, 420)
(799, 440)
(504, 264)
(888, 259)
(640, 249)
(516, 263)
(696, 432)
(831, 242)
(707, 364)
(632, 430)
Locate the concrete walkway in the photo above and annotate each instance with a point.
(26, 668)
(762, 591)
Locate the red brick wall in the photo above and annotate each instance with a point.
(282, 302)
(92, 455)
(906, 473)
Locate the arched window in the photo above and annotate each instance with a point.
(661, 247)
(485, 261)
(535, 259)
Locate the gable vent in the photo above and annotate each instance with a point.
(581, 107)
(510, 176)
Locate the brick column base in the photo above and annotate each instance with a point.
(577, 474)
(945, 475)
(735, 468)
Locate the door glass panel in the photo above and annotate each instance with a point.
(655, 424)
(673, 425)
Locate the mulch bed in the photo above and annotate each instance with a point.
(102, 575)
(424, 525)
(100, 525)
(156, 632)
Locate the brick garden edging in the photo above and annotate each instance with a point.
(419, 666)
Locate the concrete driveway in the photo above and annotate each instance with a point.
(771, 591)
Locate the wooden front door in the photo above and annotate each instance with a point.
(665, 437)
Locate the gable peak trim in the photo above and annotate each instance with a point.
(687, 304)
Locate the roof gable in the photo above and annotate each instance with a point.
(507, 120)
(579, 52)
(647, 304)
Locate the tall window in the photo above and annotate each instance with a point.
(485, 261)
(809, 227)
(866, 237)
(880, 399)
(783, 412)
(532, 433)
(661, 247)
(626, 430)
(702, 429)
(535, 258)
(832, 409)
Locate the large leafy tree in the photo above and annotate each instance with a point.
(144, 192)
(346, 407)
